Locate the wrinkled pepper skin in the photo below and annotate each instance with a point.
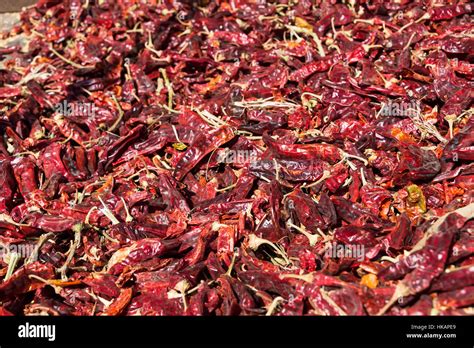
(241, 157)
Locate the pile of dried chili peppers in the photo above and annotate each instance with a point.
(237, 158)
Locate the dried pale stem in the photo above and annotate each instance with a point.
(273, 306)
(313, 239)
(119, 118)
(41, 240)
(13, 259)
(70, 254)
(106, 211)
(254, 243)
(70, 62)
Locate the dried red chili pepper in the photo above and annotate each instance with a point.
(256, 158)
